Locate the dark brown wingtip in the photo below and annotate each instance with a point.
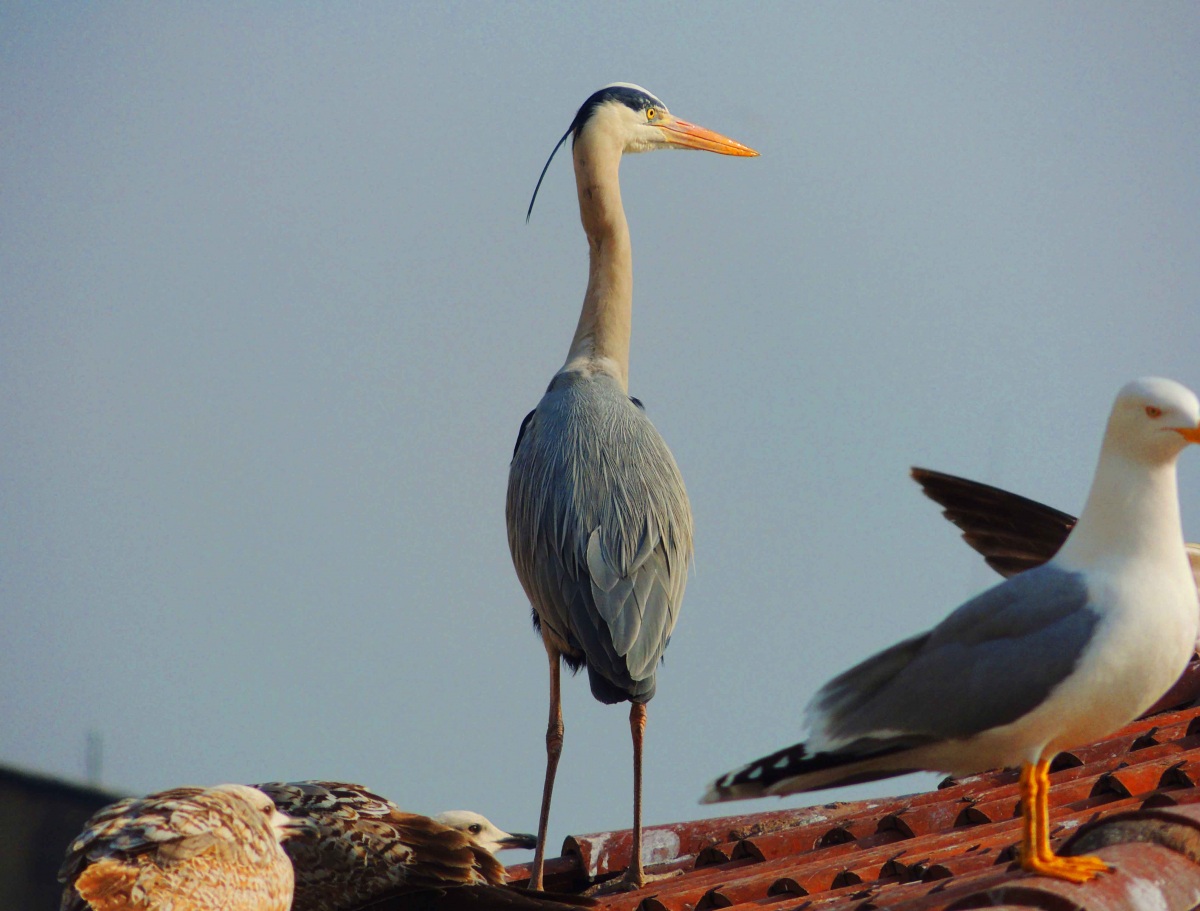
(1011, 532)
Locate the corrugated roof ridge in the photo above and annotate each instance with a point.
(910, 849)
(833, 872)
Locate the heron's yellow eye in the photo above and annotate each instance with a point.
(651, 113)
(1153, 411)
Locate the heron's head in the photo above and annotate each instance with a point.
(638, 122)
(483, 832)
(630, 119)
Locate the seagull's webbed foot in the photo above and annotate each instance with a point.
(1036, 854)
(1073, 869)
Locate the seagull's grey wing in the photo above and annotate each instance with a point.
(1012, 533)
(958, 679)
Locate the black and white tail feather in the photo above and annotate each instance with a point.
(794, 769)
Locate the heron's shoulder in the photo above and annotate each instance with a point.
(577, 381)
(577, 395)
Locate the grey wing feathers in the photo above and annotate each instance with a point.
(1012, 533)
(600, 531)
(942, 684)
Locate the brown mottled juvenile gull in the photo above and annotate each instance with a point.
(483, 832)
(364, 850)
(1052, 658)
(186, 849)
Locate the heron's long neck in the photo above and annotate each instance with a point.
(602, 335)
(1131, 510)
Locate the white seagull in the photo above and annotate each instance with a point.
(1058, 656)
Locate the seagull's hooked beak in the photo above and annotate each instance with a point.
(1191, 434)
(517, 840)
(291, 826)
(689, 136)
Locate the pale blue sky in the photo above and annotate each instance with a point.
(271, 318)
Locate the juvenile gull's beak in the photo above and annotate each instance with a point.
(291, 826)
(518, 840)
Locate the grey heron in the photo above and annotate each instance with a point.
(1054, 657)
(599, 524)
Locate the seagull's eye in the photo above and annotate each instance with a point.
(475, 828)
(651, 113)
(1153, 411)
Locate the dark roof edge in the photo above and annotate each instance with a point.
(48, 784)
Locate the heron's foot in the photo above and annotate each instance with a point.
(631, 882)
(1073, 869)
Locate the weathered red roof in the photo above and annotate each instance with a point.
(1133, 798)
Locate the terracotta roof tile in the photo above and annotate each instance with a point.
(1133, 797)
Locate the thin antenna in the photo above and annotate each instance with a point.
(94, 756)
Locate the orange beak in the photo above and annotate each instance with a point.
(1191, 434)
(690, 136)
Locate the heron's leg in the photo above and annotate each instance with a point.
(635, 876)
(1036, 854)
(554, 742)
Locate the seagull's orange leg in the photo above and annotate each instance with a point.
(554, 742)
(1036, 854)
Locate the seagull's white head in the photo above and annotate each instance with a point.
(1153, 420)
(284, 826)
(483, 832)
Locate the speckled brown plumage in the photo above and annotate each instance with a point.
(186, 849)
(363, 849)
(363, 846)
